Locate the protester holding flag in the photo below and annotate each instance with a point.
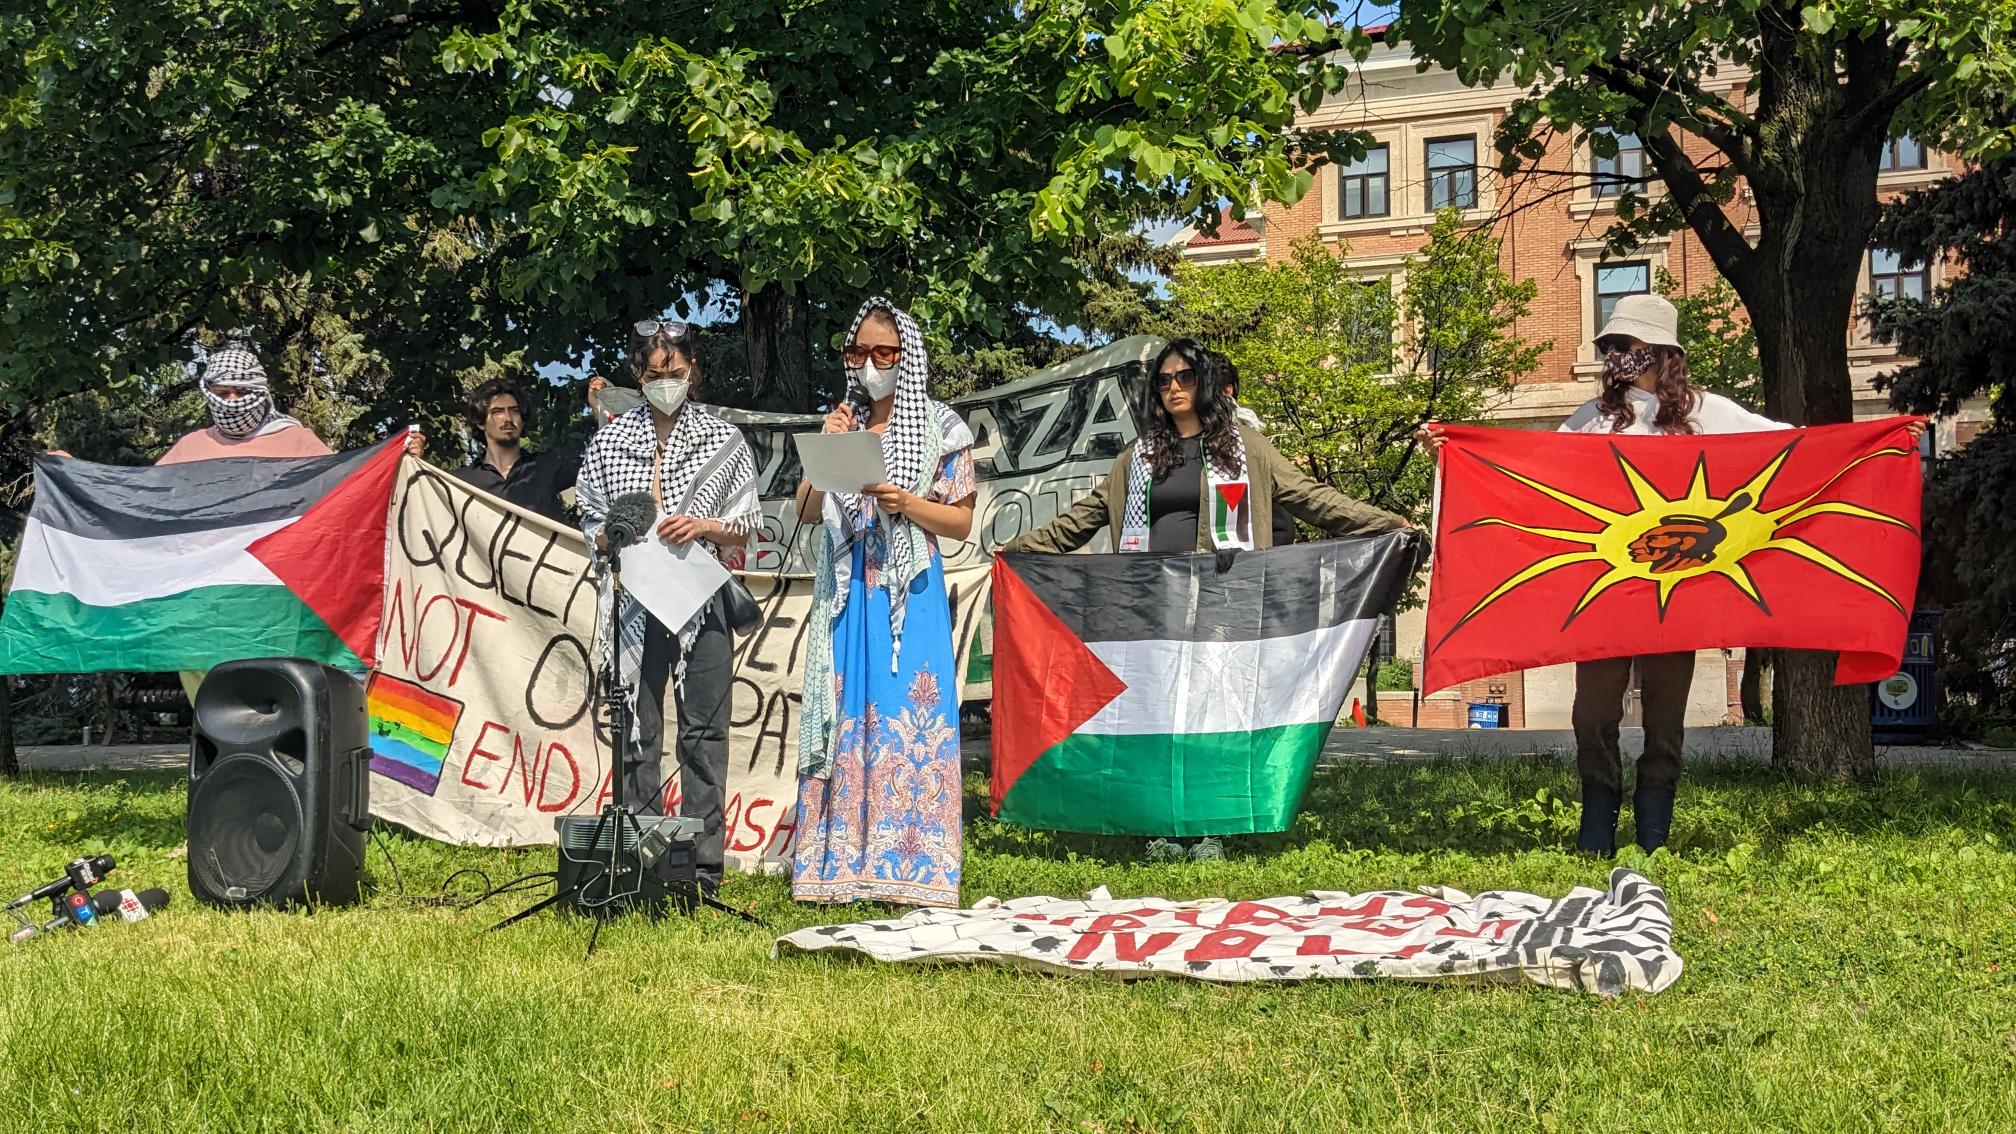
(1197, 477)
(243, 420)
(878, 746)
(1200, 479)
(244, 423)
(700, 473)
(1645, 390)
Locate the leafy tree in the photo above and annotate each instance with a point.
(1344, 371)
(1825, 85)
(449, 184)
(1962, 340)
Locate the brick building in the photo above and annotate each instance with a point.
(1431, 147)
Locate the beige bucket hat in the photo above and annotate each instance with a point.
(1650, 319)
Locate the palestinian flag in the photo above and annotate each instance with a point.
(189, 565)
(1158, 695)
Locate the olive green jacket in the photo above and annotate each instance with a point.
(1270, 477)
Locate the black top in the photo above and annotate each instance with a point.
(1172, 506)
(1172, 502)
(535, 483)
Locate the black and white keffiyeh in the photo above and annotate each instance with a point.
(251, 414)
(623, 457)
(920, 434)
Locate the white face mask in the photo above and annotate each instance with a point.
(666, 395)
(879, 383)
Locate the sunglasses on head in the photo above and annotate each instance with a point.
(1185, 379)
(652, 328)
(884, 356)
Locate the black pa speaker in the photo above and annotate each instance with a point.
(279, 784)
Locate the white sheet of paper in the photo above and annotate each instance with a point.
(672, 582)
(841, 462)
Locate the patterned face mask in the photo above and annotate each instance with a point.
(1621, 366)
(240, 417)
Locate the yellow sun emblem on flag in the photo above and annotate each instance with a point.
(1669, 541)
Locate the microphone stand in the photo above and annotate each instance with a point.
(616, 701)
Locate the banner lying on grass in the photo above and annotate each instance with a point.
(1571, 547)
(1605, 943)
(191, 565)
(483, 712)
(1199, 705)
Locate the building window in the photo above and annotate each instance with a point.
(1362, 186)
(1615, 281)
(1902, 153)
(1891, 277)
(1614, 175)
(1452, 173)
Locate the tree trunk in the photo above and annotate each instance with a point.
(777, 326)
(1821, 729)
(1802, 319)
(1800, 289)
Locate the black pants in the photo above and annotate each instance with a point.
(1599, 706)
(703, 730)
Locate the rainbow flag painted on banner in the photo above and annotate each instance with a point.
(410, 731)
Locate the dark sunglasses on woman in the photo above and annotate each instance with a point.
(884, 356)
(1181, 379)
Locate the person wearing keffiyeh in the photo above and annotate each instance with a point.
(245, 423)
(701, 473)
(878, 743)
(243, 419)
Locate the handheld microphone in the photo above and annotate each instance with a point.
(630, 516)
(81, 874)
(130, 906)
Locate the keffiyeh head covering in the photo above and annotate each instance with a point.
(920, 433)
(236, 368)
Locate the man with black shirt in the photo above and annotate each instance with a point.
(533, 481)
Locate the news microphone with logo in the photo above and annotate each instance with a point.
(78, 911)
(80, 874)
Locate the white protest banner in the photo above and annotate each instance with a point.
(483, 711)
(1592, 940)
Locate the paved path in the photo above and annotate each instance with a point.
(1372, 745)
(1744, 745)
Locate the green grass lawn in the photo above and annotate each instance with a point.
(1850, 965)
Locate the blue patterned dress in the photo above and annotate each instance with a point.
(886, 825)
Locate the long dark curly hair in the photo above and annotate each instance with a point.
(1217, 413)
(1678, 399)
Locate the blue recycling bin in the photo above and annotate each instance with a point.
(1488, 714)
(1904, 706)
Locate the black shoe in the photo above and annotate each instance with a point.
(1652, 807)
(1600, 805)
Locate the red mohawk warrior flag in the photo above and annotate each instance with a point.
(1571, 547)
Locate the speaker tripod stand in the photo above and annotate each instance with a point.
(632, 851)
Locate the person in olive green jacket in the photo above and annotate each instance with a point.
(1198, 480)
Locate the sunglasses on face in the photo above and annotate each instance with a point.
(884, 356)
(1181, 379)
